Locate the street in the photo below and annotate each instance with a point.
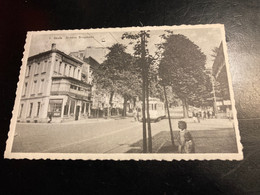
(118, 136)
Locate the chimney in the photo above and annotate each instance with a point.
(53, 46)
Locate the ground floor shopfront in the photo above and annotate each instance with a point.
(58, 108)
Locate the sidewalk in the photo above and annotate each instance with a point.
(211, 136)
(205, 142)
(95, 120)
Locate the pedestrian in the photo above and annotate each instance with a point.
(229, 114)
(134, 114)
(208, 113)
(204, 115)
(198, 116)
(50, 117)
(213, 114)
(194, 117)
(186, 144)
(138, 114)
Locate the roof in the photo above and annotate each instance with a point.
(56, 51)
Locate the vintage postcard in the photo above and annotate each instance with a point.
(142, 93)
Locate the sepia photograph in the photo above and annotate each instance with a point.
(141, 93)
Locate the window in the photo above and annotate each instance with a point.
(72, 106)
(28, 71)
(34, 87)
(65, 70)
(36, 68)
(59, 71)
(74, 72)
(55, 107)
(30, 110)
(66, 108)
(78, 74)
(21, 110)
(41, 86)
(73, 87)
(25, 88)
(56, 66)
(38, 108)
(70, 71)
(44, 67)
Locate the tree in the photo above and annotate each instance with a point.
(142, 56)
(116, 75)
(182, 67)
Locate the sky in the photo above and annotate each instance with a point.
(205, 38)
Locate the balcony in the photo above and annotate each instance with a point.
(72, 87)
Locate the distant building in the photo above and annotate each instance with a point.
(219, 73)
(97, 53)
(56, 85)
(101, 99)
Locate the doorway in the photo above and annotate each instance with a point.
(77, 113)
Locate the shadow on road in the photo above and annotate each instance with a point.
(206, 141)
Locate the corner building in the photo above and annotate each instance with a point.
(54, 85)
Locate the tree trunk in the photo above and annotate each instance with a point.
(185, 106)
(143, 94)
(148, 111)
(169, 116)
(110, 104)
(125, 104)
(134, 101)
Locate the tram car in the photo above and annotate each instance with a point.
(156, 109)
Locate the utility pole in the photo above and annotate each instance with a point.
(143, 91)
(169, 117)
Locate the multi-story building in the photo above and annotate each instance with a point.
(56, 85)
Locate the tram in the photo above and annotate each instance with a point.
(156, 109)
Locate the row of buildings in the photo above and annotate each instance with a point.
(222, 100)
(59, 87)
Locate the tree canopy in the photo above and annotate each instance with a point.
(117, 74)
(182, 67)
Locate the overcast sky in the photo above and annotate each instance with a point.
(205, 38)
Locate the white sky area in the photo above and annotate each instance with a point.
(205, 38)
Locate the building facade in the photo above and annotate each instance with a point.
(219, 73)
(101, 104)
(56, 86)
